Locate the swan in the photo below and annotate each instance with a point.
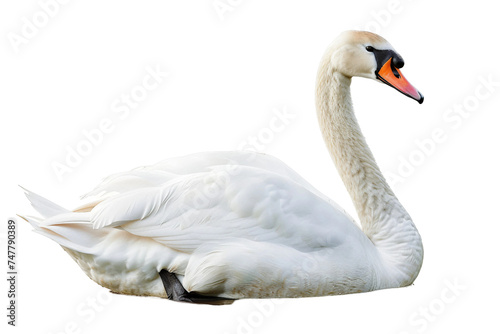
(215, 227)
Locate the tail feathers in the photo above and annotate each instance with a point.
(45, 207)
(72, 230)
(78, 236)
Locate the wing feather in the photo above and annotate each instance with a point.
(218, 205)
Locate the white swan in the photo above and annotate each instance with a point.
(219, 226)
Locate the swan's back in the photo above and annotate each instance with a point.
(215, 220)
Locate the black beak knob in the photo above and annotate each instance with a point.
(398, 62)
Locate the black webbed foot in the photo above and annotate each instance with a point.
(176, 292)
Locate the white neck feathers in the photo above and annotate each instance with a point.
(383, 219)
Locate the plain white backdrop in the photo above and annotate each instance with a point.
(68, 67)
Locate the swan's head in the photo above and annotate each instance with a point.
(365, 54)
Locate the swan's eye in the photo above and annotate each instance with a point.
(369, 48)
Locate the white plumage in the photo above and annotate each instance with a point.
(243, 224)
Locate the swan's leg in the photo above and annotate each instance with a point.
(174, 289)
(176, 292)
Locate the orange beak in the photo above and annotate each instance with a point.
(393, 77)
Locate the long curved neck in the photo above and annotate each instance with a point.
(383, 219)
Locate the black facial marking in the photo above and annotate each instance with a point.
(382, 56)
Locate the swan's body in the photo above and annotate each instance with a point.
(244, 225)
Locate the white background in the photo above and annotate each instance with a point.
(227, 73)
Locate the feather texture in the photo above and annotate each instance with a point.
(243, 224)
